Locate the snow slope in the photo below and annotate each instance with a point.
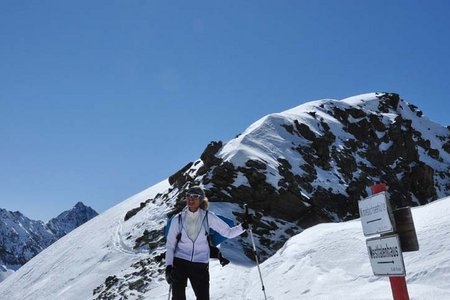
(78, 262)
(330, 261)
(327, 261)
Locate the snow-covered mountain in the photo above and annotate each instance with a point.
(312, 163)
(295, 169)
(22, 238)
(71, 219)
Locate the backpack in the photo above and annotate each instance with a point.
(213, 237)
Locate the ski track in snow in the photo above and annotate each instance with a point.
(118, 241)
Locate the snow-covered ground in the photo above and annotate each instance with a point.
(327, 261)
(76, 264)
(330, 261)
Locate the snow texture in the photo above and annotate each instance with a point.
(327, 261)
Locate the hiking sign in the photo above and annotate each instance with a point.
(386, 256)
(376, 215)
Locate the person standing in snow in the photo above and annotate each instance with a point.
(187, 246)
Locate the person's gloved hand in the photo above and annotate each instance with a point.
(169, 270)
(248, 220)
(223, 261)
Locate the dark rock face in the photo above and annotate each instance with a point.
(179, 178)
(208, 156)
(421, 182)
(304, 131)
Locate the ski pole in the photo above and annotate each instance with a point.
(170, 292)
(254, 252)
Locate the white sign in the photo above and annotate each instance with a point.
(375, 213)
(386, 256)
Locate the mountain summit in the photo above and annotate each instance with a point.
(71, 219)
(304, 166)
(312, 163)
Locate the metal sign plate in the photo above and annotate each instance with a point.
(376, 215)
(386, 256)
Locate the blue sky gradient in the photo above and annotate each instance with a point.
(102, 99)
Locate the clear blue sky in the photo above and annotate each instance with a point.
(102, 99)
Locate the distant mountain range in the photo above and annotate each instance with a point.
(22, 238)
(297, 168)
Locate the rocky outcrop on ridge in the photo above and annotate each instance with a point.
(333, 152)
(396, 153)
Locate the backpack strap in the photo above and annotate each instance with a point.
(180, 227)
(206, 225)
(208, 234)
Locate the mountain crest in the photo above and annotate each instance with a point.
(71, 219)
(312, 163)
(304, 166)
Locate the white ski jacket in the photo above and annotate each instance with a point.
(198, 250)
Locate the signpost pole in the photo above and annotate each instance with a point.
(398, 284)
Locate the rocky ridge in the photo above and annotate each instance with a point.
(301, 167)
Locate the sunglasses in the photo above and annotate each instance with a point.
(194, 196)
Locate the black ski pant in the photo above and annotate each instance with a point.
(198, 274)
